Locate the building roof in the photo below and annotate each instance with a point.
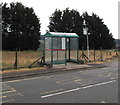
(60, 34)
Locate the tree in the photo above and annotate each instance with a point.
(5, 25)
(71, 21)
(55, 21)
(21, 29)
(67, 21)
(100, 35)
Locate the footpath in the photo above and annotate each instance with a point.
(55, 69)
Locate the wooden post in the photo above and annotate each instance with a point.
(15, 64)
(101, 57)
(82, 51)
(94, 55)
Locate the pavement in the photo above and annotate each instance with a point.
(45, 70)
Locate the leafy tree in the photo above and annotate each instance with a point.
(21, 29)
(55, 21)
(71, 21)
(100, 35)
(5, 25)
(67, 21)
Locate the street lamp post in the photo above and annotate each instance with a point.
(85, 32)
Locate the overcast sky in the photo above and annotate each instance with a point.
(106, 9)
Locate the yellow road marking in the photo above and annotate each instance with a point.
(5, 87)
(24, 79)
(12, 90)
(8, 95)
(7, 100)
(7, 92)
(67, 80)
(49, 76)
(3, 96)
(77, 80)
(11, 95)
(52, 91)
(103, 68)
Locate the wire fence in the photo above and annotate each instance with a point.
(100, 55)
(26, 58)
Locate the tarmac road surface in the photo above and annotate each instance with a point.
(89, 86)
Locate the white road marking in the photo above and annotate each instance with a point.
(109, 74)
(67, 91)
(103, 102)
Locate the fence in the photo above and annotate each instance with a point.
(26, 58)
(98, 55)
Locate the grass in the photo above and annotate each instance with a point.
(25, 58)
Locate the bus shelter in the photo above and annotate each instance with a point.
(61, 48)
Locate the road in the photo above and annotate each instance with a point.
(86, 86)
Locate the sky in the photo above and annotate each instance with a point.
(105, 9)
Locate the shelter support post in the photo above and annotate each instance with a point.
(77, 50)
(65, 51)
(69, 50)
(52, 52)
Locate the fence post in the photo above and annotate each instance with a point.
(82, 51)
(94, 55)
(15, 64)
(101, 57)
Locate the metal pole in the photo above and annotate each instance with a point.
(52, 52)
(44, 50)
(69, 49)
(77, 50)
(57, 48)
(65, 51)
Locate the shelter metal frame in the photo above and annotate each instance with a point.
(61, 44)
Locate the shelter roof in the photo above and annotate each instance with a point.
(60, 34)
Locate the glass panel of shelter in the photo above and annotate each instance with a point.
(58, 50)
(72, 49)
(48, 41)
